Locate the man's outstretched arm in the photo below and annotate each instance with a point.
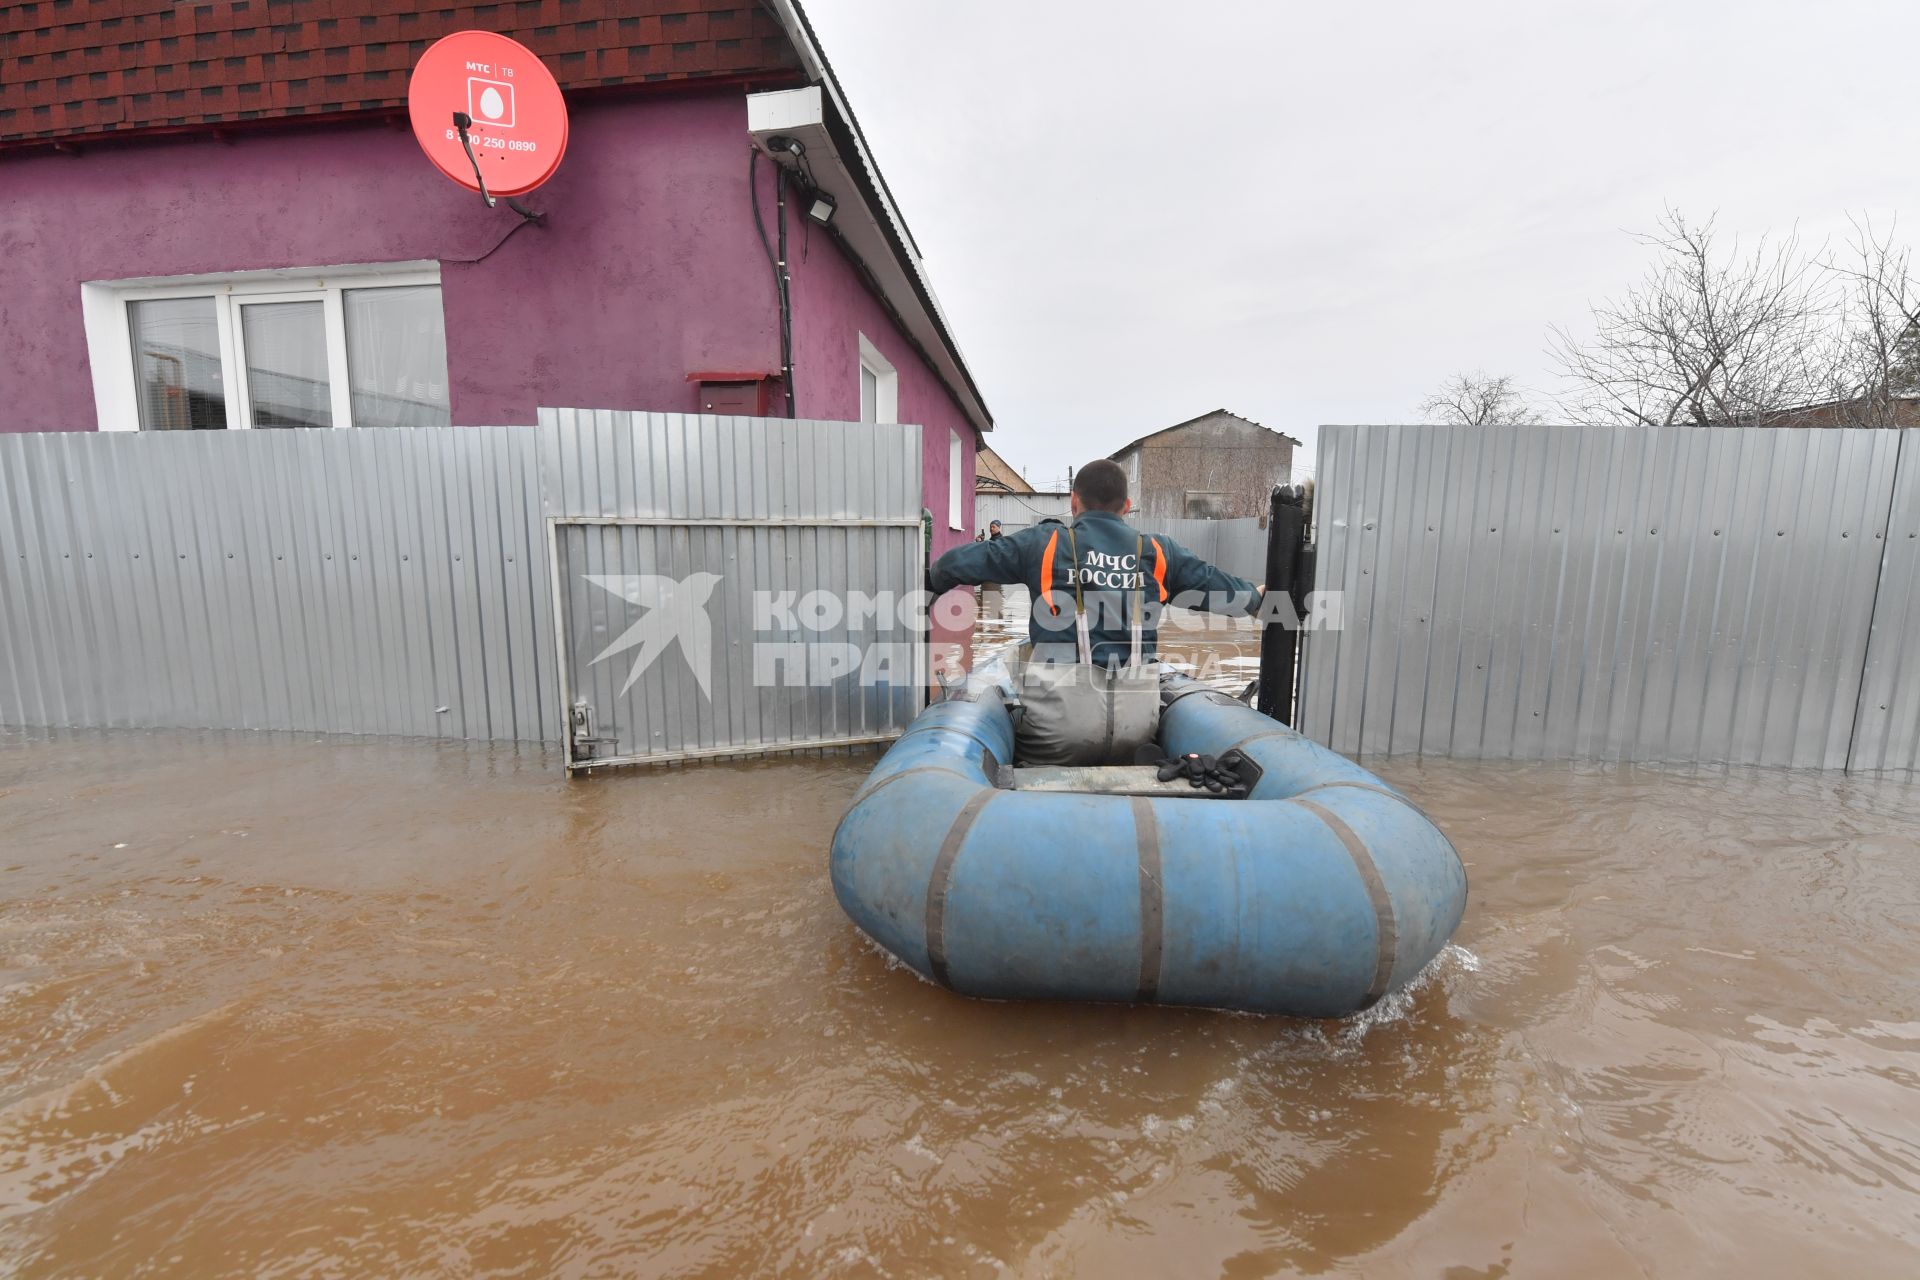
(972, 563)
(1193, 583)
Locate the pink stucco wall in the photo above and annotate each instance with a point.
(648, 268)
(832, 308)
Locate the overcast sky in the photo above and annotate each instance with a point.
(1137, 212)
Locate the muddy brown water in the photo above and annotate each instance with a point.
(280, 1006)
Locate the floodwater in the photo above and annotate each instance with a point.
(285, 1007)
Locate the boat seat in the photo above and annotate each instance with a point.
(1107, 780)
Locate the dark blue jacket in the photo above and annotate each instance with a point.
(1117, 570)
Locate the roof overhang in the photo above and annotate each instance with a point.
(866, 220)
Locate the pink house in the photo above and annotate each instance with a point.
(217, 218)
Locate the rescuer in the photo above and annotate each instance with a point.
(1087, 680)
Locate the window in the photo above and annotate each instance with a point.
(332, 347)
(879, 386)
(397, 356)
(956, 465)
(284, 344)
(176, 351)
(1208, 504)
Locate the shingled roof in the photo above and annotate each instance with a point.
(79, 70)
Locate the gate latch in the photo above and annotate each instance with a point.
(586, 743)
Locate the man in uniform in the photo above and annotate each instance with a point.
(1098, 588)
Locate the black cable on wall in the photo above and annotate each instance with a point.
(782, 279)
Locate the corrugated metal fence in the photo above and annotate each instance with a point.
(1238, 546)
(381, 582)
(1619, 593)
(1017, 510)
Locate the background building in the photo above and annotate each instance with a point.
(1217, 466)
(1002, 493)
(994, 474)
(217, 217)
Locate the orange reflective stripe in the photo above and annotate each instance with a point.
(1160, 568)
(1046, 573)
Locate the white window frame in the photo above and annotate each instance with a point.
(886, 388)
(956, 473)
(116, 388)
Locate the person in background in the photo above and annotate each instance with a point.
(1087, 682)
(993, 601)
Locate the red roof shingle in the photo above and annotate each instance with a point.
(86, 69)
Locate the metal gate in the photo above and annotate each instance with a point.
(729, 587)
(686, 640)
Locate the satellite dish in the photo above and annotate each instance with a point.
(488, 113)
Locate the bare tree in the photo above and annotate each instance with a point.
(1476, 399)
(1878, 359)
(1706, 338)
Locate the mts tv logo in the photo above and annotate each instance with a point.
(490, 101)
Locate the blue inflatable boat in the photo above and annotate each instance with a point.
(1316, 894)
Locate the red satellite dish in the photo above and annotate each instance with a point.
(516, 119)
